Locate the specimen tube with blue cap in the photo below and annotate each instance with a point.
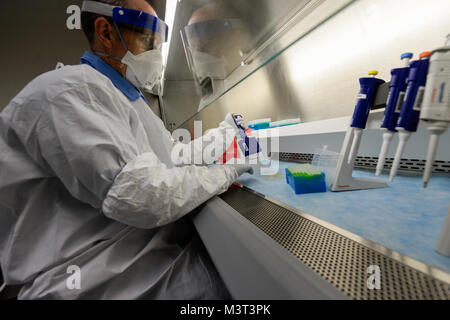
(397, 90)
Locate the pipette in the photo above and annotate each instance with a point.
(436, 105)
(365, 97)
(249, 145)
(409, 115)
(397, 88)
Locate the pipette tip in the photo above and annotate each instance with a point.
(425, 184)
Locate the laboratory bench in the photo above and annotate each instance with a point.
(269, 243)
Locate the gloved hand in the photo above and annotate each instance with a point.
(242, 168)
(235, 120)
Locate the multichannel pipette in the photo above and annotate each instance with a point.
(397, 89)
(409, 115)
(436, 104)
(365, 97)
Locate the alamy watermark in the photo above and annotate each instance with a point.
(73, 21)
(73, 282)
(374, 280)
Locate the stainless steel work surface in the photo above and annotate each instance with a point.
(252, 265)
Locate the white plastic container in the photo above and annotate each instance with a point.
(326, 161)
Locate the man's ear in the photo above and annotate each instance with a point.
(104, 32)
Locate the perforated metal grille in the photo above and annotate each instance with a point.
(296, 157)
(338, 259)
(414, 165)
(406, 165)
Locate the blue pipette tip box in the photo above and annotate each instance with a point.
(305, 179)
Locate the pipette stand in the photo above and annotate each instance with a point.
(344, 180)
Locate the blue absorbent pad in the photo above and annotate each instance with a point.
(404, 217)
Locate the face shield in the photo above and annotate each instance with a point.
(144, 70)
(212, 52)
(152, 31)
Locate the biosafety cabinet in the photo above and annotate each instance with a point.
(300, 59)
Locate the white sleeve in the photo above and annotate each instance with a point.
(146, 194)
(82, 137)
(206, 149)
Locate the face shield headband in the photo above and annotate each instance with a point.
(131, 17)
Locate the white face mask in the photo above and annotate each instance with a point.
(210, 66)
(144, 70)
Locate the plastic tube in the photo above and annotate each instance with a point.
(387, 139)
(403, 139)
(357, 134)
(435, 129)
(432, 148)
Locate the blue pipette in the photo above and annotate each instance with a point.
(366, 96)
(397, 90)
(409, 115)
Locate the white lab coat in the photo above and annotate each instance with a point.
(87, 180)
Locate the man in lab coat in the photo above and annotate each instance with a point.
(91, 202)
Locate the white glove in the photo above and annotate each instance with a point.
(242, 168)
